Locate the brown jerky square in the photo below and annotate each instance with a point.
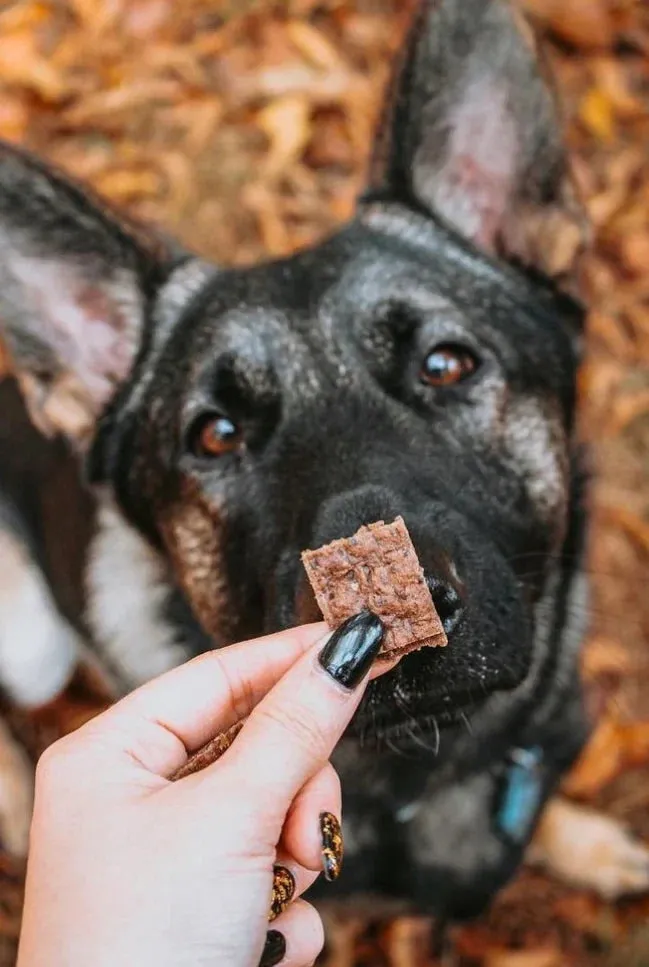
(377, 570)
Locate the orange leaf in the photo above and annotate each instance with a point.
(313, 45)
(14, 117)
(124, 186)
(601, 762)
(604, 656)
(21, 64)
(542, 957)
(635, 739)
(286, 123)
(585, 23)
(596, 113)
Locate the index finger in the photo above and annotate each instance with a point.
(158, 723)
(292, 732)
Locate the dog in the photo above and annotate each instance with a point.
(421, 362)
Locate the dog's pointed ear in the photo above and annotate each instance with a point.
(74, 287)
(471, 132)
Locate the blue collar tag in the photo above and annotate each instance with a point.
(521, 794)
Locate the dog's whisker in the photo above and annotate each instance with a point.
(393, 748)
(467, 722)
(420, 739)
(435, 725)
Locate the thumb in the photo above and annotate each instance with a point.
(292, 732)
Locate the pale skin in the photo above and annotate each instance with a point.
(127, 867)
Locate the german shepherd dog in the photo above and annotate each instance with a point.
(421, 362)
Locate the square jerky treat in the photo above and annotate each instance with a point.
(377, 570)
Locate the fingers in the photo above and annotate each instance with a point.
(294, 729)
(302, 835)
(295, 939)
(185, 707)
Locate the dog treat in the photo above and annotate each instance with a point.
(209, 753)
(377, 570)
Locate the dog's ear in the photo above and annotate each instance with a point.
(74, 287)
(471, 132)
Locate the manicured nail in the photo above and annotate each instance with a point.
(349, 653)
(283, 891)
(274, 949)
(331, 837)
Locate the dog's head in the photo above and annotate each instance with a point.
(418, 363)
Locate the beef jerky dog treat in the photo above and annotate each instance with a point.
(377, 570)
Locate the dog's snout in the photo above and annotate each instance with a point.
(341, 516)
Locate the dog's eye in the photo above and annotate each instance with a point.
(448, 364)
(214, 436)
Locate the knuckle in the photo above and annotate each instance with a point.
(300, 729)
(238, 688)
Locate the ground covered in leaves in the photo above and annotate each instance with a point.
(243, 127)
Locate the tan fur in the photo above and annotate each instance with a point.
(16, 794)
(534, 439)
(192, 531)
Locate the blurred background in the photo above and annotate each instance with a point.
(243, 127)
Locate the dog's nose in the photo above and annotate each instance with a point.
(448, 600)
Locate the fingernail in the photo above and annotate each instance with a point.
(349, 653)
(283, 891)
(331, 837)
(274, 949)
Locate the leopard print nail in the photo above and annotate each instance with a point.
(283, 891)
(332, 846)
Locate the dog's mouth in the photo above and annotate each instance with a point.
(434, 690)
(439, 690)
(401, 709)
(420, 735)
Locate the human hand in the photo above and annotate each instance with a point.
(127, 867)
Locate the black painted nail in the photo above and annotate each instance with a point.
(274, 949)
(283, 891)
(349, 653)
(331, 837)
